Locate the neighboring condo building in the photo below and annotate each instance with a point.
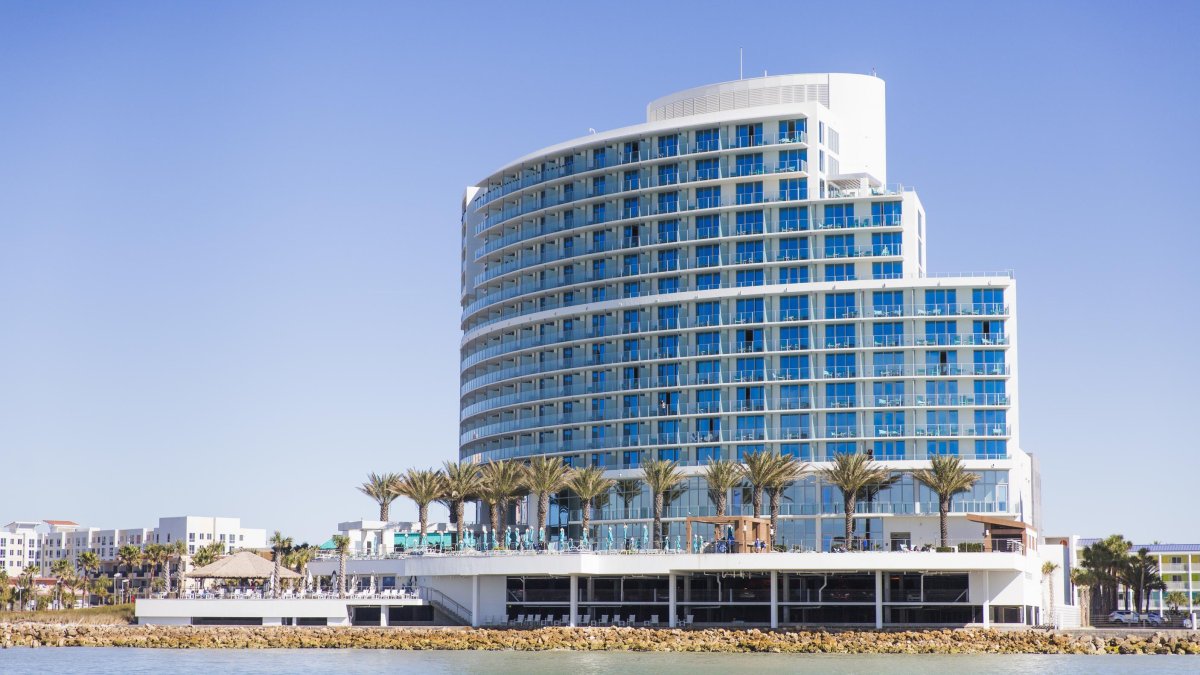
(736, 275)
(25, 543)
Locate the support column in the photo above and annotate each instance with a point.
(383, 615)
(878, 599)
(475, 601)
(987, 599)
(774, 599)
(574, 586)
(672, 609)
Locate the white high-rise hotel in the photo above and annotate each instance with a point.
(737, 275)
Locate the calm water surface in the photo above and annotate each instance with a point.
(230, 662)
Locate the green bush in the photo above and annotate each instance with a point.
(944, 549)
(974, 547)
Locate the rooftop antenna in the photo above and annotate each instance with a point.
(873, 74)
(739, 63)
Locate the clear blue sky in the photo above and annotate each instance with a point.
(229, 231)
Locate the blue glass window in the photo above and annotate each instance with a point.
(987, 300)
(708, 455)
(793, 248)
(751, 428)
(793, 307)
(941, 332)
(668, 285)
(989, 362)
(668, 202)
(839, 215)
(748, 165)
(708, 343)
(791, 189)
(885, 243)
(708, 281)
(888, 303)
(708, 169)
(840, 335)
(631, 289)
(631, 208)
(707, 198)
(840, 395)
(668, 316)
(840, 306)
(942, 447)
(792, 131)
(632, 180)
(668, 174)
(840, 448)
(598, 216)
(941, 422)
(795, 426)
(943, 362)
(841, 425)
(885, 213)
(668, 259)
(746, 278)
(668, 146)
(793, 337)
(708, 139)
(889, 423)
(940, 301)
(708, 313)
(840, 365)
(749, 310)
(708, 255)
(839, 246)
(840, 272)
(668, 454)
(887, 270)
(750, 368)
(792, 396)
(990, 392)
(749, 193)
(889, 334)
(708, 227)
(598, 186)
(631, 152)
(888, 394)
(793, 275)
(795, 368)
(708, 372)
(599, 158)
(991, 449)
(748, 135)
(792, 160)
(793, 218)
(885, 450)
(748, 252)
(750, 222)
(888, 364)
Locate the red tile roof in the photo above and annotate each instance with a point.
(60, 522)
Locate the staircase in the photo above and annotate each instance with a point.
(447, 605)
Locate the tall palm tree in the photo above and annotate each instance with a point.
(462, 484)
(173, 552)
(341, 544)
(545, 476)
(423, 486)
(88, 563)
(774, 473)
(946, 477)
(851, 474)
(5, 591)
(503, 483)
(61, 570)
(1083, 580)
(628, 489)
(1140, 573)
(669, 498)
(382, 488)
(208, 554)
(589, 485)
(151, 556)
(660, 476)
(280, 545)
(299, 557)
(1106, 560)
(25, 584)
(1048, 570)
(721, 477)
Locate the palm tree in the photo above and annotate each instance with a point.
(280, 545)
(773, 473)
(851, 473)
(1048, 569)
(545, 476)
(1106, 560)
(208, 554)
(628, 489)
(1140, 573)
(423, 486)
(589, 485)
(61, 570)
(152, 555)
(299, 557)
(1175, 600)
(341, 544)
(503, 482)
(5, 590)
(721, 477)
(946, 477)
(669, 497)
(1083, 580)
(462, 484)
(25, 584)
(382, 488)
(88, 563)
(173, 551)
(660, 476)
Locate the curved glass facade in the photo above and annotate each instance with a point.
(727, 282)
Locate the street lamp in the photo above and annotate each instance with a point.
(117, 586)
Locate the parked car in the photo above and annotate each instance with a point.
(1154, 619)
(1124, 616)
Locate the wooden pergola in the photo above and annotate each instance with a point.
(1003, 530)
(746, 530)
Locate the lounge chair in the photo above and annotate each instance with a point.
(566, 620)
(535, 620)
(519, 620)
(653, 620)
(602, 622)
(632, 620)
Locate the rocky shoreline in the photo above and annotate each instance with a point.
(963, 641)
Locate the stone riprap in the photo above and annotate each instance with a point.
(958, 641)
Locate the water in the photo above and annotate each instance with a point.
(106, 661)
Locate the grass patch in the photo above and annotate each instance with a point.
(107, 615)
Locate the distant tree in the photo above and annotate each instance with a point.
(545, 476)
(341, 544)
(382, 488)
(280, 546)
(503, 482)
(721, 476)
(660, 476)
(423, 486)
(462, 484)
